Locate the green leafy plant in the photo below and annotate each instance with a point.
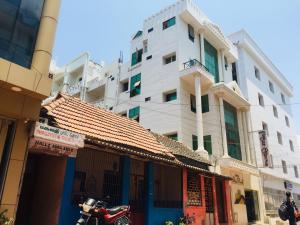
(169, 223)
(4, 220)
(186, 220)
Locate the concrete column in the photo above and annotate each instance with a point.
(66, 81)
(251, 141)
(149, 193)
(125, 179)
(44, 45)
(241, 134)
(223, 127)
(202, 52)
(222, 62)
(246, 137)
(216, 215)
(199, 121)
(184, 190)
(68, 212)
(228, 202)
(203, 192)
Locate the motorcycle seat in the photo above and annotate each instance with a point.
(115, 210)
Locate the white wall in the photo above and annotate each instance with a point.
(251, 86)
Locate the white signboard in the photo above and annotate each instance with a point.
(264, 148)
(51, 148)
(58, 135)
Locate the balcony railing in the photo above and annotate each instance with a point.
(74, 89)
(193, 62)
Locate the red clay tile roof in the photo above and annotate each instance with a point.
(72, 114)
(179, 149)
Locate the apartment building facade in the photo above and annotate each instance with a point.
(179, 83)
(27, 31)
(269, 94)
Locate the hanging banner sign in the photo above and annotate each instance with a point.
(55, 141)
(55, 134)
(264, 148)
(39, 145)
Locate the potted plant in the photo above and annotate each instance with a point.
(4, 219)
(169, 223)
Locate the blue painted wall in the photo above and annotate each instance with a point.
(69, 214)
(157, 216)
(126, 162)
(160, 215)
(149, 177)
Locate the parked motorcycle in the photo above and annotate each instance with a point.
(97, 213)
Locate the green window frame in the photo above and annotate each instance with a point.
(169, 23)
(171, 96)
(211, 60)
(195, 142)
(193, 103)
(204, 103)
(135, 85)
(232, 131)
(136, 57)
(173, 136)
(207, 144)
(191, 32)
(134, 113)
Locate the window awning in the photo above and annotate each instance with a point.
(136, 84)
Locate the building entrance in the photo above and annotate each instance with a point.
(251, 199)
(41, 190)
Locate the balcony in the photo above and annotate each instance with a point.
(193, 62)
(95, 83)
(192, 68)
(99, 103)
(75, 88)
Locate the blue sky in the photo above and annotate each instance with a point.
(104, 28)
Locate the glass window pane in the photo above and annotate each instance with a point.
(205, 103)
(195, 142)
(211, 60)
(193, 103)
(207, 144)
(135, 85)
(134, 113)
(232, 131)
(19, 25)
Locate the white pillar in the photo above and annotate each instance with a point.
(250, 138)
(202, 52)
(223, 127)
(222, 72)
(199, 116)
(241, 134)
(65, 81)
(246, 136)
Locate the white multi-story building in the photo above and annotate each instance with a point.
(85, 79)
(186, 80)
(179, 83)
(269, 94)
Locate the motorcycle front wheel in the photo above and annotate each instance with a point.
(122, 221)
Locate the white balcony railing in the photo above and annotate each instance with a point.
(74, 89)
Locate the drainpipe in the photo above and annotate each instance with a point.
(120, 62)
(84, 78)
